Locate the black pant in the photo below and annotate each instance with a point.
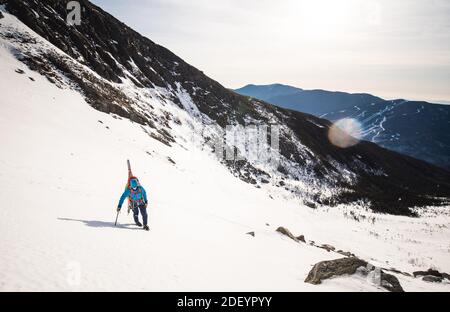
(143, 213)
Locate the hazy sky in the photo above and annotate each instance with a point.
(397, 48)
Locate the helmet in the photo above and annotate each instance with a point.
(134, 183)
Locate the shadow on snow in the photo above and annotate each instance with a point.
(103, 224)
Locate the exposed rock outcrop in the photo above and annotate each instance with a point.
(288, 233)
(345, 253)
(328, 269)
(327, 247)
(432, 275)
(301, 238)
(390, 282)
(431, 278)
(348, 266)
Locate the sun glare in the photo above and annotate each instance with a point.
(345, 132)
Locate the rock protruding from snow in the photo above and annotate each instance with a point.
(328, 269)
(345, 253)
(348, 266)
(432, 275)
(390, 282)
(327, 247)
(301, 238)
(288, 233)
(432, 279)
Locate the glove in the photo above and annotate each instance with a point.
(118, 208)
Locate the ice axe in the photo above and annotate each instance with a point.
(115, 223)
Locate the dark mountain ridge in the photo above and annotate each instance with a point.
(391, 182)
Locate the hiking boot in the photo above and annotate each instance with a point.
(146, 228)
(138, 223)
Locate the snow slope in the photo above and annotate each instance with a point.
(63, 168)
(62, 172)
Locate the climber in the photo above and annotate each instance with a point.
(137, 199)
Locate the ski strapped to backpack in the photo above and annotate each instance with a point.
(136, 197)
(130, 174)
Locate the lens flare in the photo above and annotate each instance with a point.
(345, 132)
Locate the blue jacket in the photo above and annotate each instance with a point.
(135, 196)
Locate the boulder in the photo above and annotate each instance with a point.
(301, 238)
(432, 279)
(348, 266)
(363, 271)
(310, 205)
(345, 253)
(429, 272)
(327, 247)
(390, 282)
(432, 272)
(171, 160)
(286, 232)
(327, 269)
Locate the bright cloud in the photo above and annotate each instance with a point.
(390, 48)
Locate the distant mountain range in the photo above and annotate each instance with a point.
(415, 128)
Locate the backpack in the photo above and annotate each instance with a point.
(132, 202)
